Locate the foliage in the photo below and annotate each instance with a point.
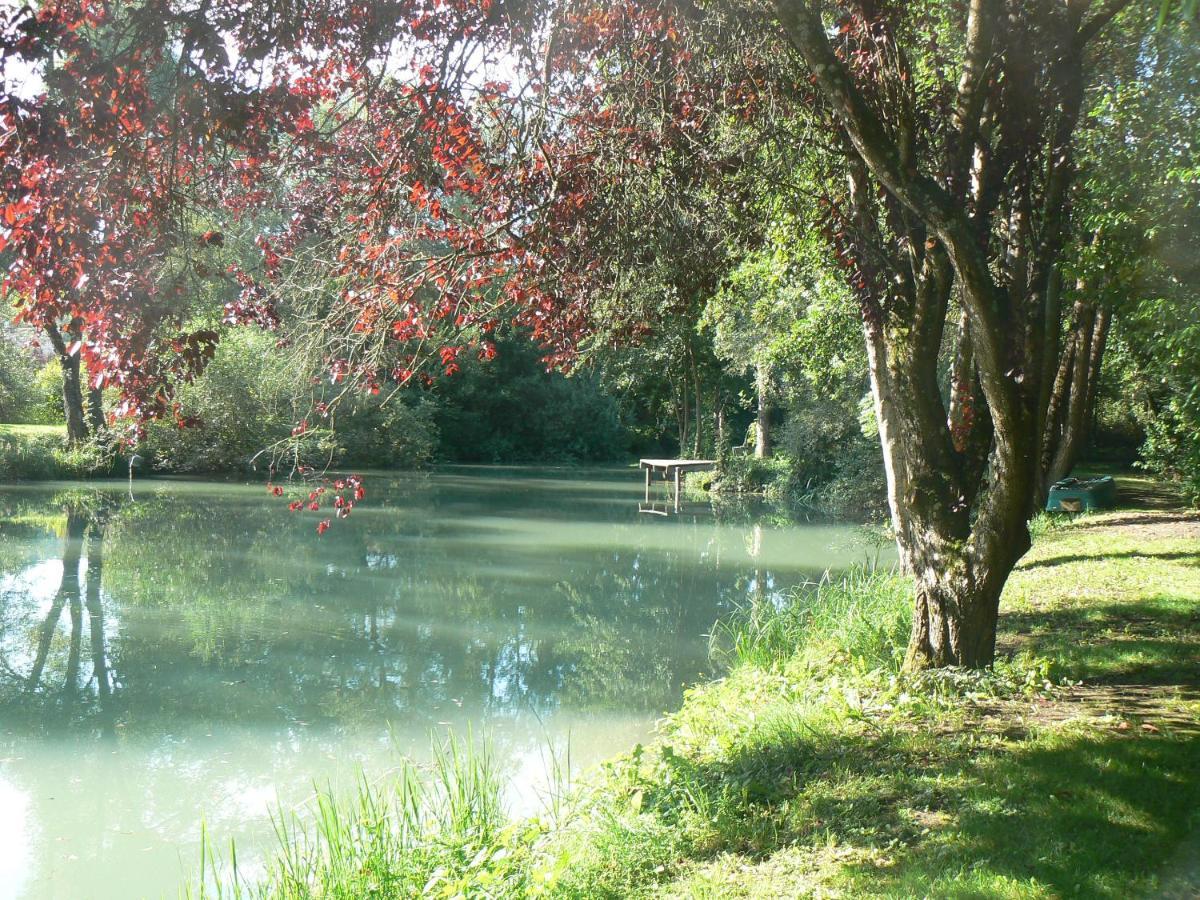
(1138, 201)
(18, 394)
(249, 399)
(790, 314)
(511, 409)
(831, 464)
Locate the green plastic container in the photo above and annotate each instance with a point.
(1079, 494)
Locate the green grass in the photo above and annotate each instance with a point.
(439, 831)
(33, 431)
(36, 452)
(824, 772)
(816, 768)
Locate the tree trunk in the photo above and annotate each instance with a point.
(961, 524)
(762, 425)
(954, 622)
(720, 438)
(72, 389)
(1066, 433)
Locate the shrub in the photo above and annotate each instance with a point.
(33, 452)
(19, 392)
(251, 397)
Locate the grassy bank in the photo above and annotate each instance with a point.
(814, 768)
(36, 452)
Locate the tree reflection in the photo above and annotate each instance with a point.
(54, 687)
(95, 608)
(468, 601)
(68, 592)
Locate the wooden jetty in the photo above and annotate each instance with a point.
(672, 471)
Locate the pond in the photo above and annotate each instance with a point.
(188, 652)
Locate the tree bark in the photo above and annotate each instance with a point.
(960, 490)
(1090, 340)
(95, 408)
(72, 389)
(762, 422)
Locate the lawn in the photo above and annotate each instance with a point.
(1073, 770)
(26, 432)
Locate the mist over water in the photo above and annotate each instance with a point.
(194, 653)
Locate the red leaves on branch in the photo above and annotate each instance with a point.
(339, 494)
(436, 201)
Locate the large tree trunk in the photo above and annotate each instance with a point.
(989, 210)
(762, 422)
(958, 562)
(72, 389)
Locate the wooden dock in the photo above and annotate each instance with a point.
(672, 470)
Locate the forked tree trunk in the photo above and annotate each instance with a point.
(72, 388)
(960, 496)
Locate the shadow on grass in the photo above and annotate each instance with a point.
(1161, 516)
(1074, 815)
(1189, 557)
(958, 813)
(1139, 641)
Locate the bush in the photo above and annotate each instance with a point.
(19, 392)
(250, 399)
(825, 458)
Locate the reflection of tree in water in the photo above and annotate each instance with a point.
(224, 609)
(68, 592)
(69, 685)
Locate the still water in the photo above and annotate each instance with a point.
(189, 652)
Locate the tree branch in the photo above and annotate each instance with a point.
(1099, 21)
(989, 308)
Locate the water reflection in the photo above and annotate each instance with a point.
(198, 652)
